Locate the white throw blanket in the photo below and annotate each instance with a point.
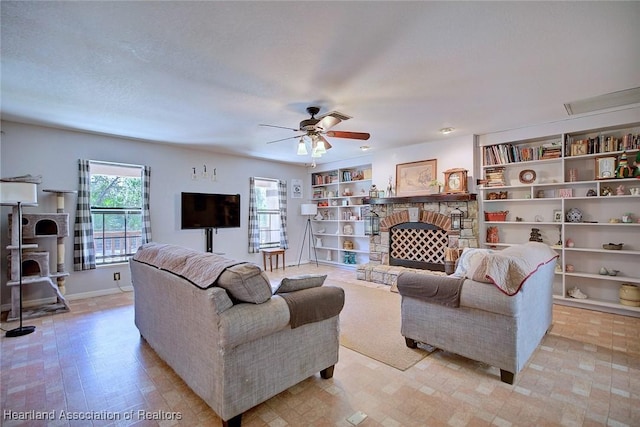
(509, 269)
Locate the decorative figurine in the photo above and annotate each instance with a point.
(535, 235)
(620, 190)
(492, 235)
(606, 191)
(624, 170)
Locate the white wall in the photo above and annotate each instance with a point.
(54, 154)
(455, 152)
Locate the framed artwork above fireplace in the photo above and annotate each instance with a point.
(416, 178)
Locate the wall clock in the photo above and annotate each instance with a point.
(455, 181)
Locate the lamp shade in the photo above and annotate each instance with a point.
(308, 209)
(13, 192)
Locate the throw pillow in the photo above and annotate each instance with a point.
(246, 283)
(296, 283)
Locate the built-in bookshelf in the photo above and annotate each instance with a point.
(533, 195)
(338, 229)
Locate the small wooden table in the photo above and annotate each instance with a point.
(270, 253)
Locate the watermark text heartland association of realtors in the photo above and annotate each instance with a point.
(54, 415)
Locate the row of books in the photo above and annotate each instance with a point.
(508, 153)
(319, 179)
(501, 154)
(346, 176)
(601, 144)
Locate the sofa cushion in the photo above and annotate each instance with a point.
(246, 283)
(297, 283)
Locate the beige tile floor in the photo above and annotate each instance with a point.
(91, 361)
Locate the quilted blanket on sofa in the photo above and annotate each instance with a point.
(200, 268)
(509, 269)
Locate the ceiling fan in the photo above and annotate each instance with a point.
(315, 128)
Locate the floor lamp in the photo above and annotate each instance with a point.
(16, 194)
(308, 210)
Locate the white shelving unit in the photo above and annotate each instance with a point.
(339, 194)
(543, 204)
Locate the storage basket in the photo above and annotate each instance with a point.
(496, 216)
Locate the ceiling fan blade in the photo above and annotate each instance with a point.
(330, 119)
(280, 127)
(351, 135)
(284, 139)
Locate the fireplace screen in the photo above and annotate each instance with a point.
(417, 245)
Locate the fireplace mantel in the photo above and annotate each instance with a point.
(420, 199)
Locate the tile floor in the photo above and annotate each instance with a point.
(91, 361)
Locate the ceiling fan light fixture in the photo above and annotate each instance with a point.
(446, 131)
(302, 148)
(319, 144)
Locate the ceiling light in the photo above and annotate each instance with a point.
(302, 148)
(446, 131)
(321, 148)
(365, 147)
(602, 102)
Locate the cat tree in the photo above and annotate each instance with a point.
(34, 269)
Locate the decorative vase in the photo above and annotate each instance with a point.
(629, 295)
(574, 215)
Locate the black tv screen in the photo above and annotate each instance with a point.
(203, 210)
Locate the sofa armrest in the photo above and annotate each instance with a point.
(246, 322)
(444, 290)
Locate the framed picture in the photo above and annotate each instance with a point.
(296, 189)
(606, 167)
(557, 215)
(416, 178)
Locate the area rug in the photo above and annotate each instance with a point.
(370, 324)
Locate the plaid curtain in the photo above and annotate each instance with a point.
(254, 226)
(146, 216)
(84, 252)
(282, 199)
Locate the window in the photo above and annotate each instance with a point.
(116, 210)
(268, 208)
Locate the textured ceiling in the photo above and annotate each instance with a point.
(207, 74)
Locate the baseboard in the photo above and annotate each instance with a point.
(72, 297)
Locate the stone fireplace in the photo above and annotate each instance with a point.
(415, 232)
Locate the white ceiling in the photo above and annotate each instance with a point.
(206, 74)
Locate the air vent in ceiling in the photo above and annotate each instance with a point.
(602, 102)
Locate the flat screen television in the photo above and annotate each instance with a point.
(204, 210)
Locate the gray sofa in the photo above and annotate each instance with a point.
(221, 328)
(495, 308)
